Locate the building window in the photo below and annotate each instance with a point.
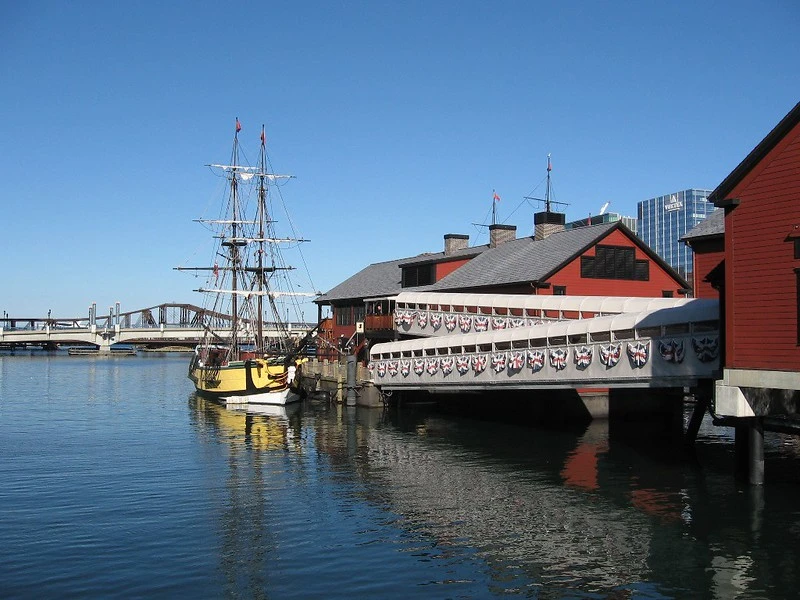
(615, 262)
(418, 275)
(359, 313)
(559, 290)
(344, 315)
(797, 248)
(667, 294)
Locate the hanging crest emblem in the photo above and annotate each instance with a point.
(639, 353)
(447, 363)
(499, 362)
(671, 351)
(583, 357)
(609, 355)
(499, 323)
(432, 365)
(516, 361)
(535, 360)
(405, 367)
(707, 348)
(558, 359)
(479, 363)
(462, 364)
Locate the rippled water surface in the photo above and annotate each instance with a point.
(117, 481)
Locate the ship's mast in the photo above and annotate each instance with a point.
(232, 244)
(547, 190)
(262, 218)
(547, 200)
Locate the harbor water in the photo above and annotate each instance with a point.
(116, 481)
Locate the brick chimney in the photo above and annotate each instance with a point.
(500, 234)
(454, 242)
(546, 223)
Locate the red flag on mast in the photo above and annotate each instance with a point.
(549, 166)
(263, 136)
(238, 125)
(496, 197)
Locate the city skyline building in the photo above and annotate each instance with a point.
(663, 220)
(606, 217)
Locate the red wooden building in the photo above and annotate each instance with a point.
(707, 241)
(760, 278)
(601, 260)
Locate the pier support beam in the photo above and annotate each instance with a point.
(755, 471)
(351, 380)
(749, 450)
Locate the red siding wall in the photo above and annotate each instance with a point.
(706, 258)
(570, 276)
(760, 286)
(445, 268)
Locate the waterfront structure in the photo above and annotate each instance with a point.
(760, 282)
(605, 217)
(662, 221)
(601, 260)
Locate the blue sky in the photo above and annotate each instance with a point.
(397, 118)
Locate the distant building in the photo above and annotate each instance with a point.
(664, 220)
(609, 217)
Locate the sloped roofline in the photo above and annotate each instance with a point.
(619, 225)
(445, 258)
(719, 195)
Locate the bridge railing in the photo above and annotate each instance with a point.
(675, 346)
(430, 313)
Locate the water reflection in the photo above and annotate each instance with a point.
(530, 510)
(256, 427)
(245, 502)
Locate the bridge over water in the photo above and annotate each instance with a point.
(523, 342)
(161, 325)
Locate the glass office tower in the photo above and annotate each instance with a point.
(662, 221)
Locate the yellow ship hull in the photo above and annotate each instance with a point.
(251, 381)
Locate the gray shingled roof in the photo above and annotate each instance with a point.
(713, 224)
(375, 280)
(518, 261)
(384, 279)
(523, 259)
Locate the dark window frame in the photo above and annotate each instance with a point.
(344, 315)
(615, 262)
(419, 275)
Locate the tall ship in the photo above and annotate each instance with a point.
(250, 352)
